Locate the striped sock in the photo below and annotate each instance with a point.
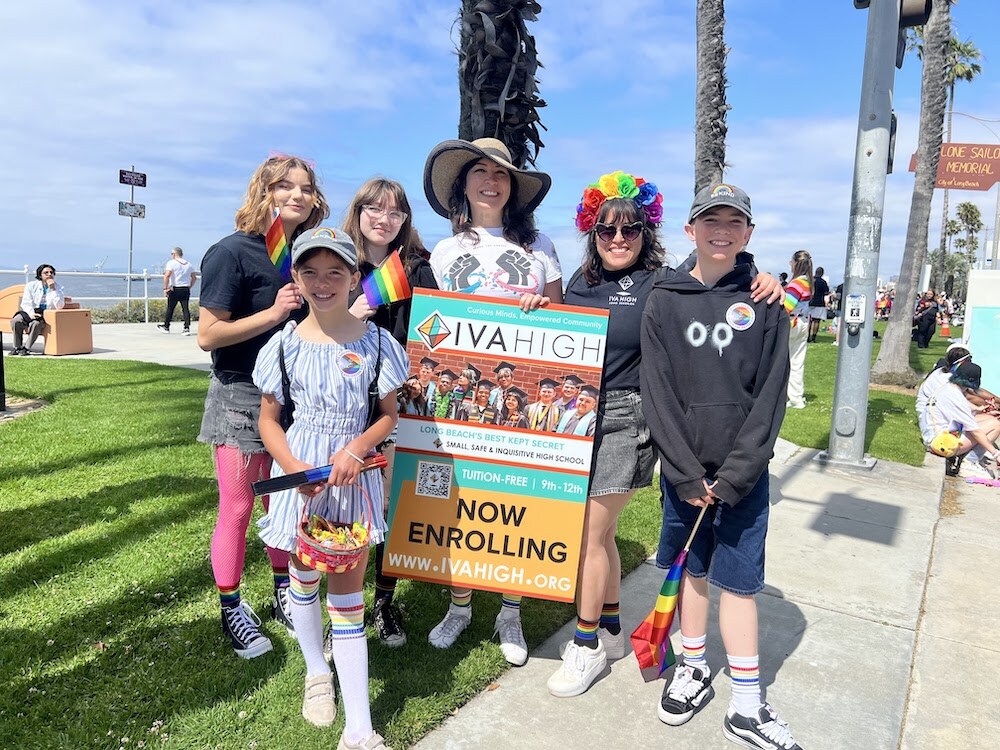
(611, 617)
(586, 633)
(229, 597)
(745, 674)
(350, 655)
(510, 602)
(385, 586)
(280, 578)
(694, 651)
(307, 617)
(461, 600)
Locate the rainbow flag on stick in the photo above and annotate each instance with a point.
(387, 283)
(651, 640)
(277, 247)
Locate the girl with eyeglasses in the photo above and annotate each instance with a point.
(244, 301)
(495, 251)
(380, 221)
(619, 217)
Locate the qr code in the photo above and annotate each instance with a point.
(434, 480)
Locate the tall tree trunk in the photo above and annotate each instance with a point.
(893, 362)
(497, 63)
(938, 269)
(710, 98)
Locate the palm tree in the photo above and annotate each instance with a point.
(893, 362)
(497, 63)
(710, 99)
(962, 66)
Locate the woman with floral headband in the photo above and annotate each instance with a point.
(495, 251)
(244, 301)
(620, 216)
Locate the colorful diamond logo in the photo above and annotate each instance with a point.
(433, 331)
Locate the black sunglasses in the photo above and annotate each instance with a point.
(607, 232)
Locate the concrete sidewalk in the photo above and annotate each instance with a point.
(876, 629)
(143, 342)
(877, 626)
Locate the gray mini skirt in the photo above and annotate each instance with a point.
(624, 458)
(232, 407)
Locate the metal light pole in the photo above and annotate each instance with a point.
(850, 395)
(128, 282)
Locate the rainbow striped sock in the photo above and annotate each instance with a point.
(303, 587)
(347, 615)
(745, 674)
(510, 601)
(611, 617)
(280, 578)
(461, 600)
(229, 597)
(586, 633)
(694, 651)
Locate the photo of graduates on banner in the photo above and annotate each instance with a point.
(501, 393)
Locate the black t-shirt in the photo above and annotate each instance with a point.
(624, 295)
(819, 291)
(237, 276)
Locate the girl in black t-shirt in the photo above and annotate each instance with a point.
(244, 300)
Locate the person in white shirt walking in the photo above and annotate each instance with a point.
(178, 278)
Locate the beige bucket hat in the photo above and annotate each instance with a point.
(448, 157)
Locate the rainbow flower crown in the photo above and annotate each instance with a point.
(619, 185)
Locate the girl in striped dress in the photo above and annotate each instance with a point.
(798, 292)
(330, 359)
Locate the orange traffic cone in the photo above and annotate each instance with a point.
(946, 328)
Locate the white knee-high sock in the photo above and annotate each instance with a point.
(307, 617)
(350, 655)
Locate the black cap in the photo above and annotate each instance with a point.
(515, 391)
(504, 366)
(475, 369)
(486, 384)
(449, 373)
(547, 383)
(573, 380)
(968, 375)
(589, 390)
(720, 194)
(429, 362)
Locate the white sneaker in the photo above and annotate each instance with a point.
(614, 645)
(975, 469)
(508, 627)
(446, 632)
(186, 332)
(689, 688)
(374, 742)
(319, 704)
(580, 667)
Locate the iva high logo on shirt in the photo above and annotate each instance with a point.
(623, 298)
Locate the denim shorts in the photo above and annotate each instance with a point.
(623, 450)
(232, 407)
(729, 545)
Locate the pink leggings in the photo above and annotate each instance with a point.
(235, 472)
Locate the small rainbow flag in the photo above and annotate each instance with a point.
(651, 640)
(277, 247)
(387, 283)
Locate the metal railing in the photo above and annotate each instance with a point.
(144, 277)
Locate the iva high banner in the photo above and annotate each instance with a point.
(489, 483)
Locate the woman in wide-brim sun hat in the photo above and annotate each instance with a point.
(489, 202)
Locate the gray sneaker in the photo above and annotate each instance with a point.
(446, 632)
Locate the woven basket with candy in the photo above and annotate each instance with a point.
(331, 546)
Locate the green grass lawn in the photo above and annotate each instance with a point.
(109, 620)
(109, 624)
(892, 432)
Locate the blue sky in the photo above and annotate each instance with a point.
(197, 92)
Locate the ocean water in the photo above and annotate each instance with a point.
(107, 286)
